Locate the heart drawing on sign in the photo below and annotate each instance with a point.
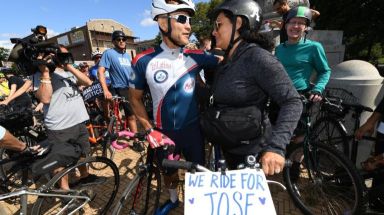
(191, 200)
(262, 200)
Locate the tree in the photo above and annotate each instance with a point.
(362, 24)
(4, 54)
(201, 24)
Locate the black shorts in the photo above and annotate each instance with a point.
(189, 142)
(123, 92)
(76, 134)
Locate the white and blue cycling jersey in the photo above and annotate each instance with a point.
(171, 77)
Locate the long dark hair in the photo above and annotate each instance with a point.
(264, 40)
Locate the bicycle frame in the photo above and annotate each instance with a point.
(25, 192)
(115, 111)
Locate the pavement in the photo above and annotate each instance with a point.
(126, 162)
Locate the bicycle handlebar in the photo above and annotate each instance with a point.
(190, 166)
(168, 146)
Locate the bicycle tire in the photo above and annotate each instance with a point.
(333, 187)
(104, 191)
(102, 149)
(332, 132)
(14, 180)
(141, 195)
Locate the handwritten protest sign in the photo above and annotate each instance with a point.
(238, 192)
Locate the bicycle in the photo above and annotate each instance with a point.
(329, 127)
(250, 164)
(52, 200)
(100, 134)
(321, 180)
(142, 194)
(115, 111)
(30, 135)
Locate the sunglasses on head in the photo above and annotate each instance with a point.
(181, 18)
(121, 39)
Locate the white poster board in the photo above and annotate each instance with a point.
(238, 192)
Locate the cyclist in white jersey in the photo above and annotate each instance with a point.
(170, 71)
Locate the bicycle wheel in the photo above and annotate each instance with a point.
(142, 194)
(103, 149)
(331, 132)
(14, 177)
(101, 190)
(326, 184)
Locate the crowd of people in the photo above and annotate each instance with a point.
(238, 66)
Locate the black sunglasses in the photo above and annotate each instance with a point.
(181, 18)
(121, 39)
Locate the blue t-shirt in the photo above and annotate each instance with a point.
(94, 76)
(119, 66)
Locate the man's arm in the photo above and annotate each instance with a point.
(82, 79)
(135, 98)
(315, 14)
(103, 82)
(27, 84)
(44, 93)
(8, 141)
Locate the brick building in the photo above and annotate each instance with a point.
(95, 34)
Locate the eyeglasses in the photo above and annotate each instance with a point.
(181, 18)
(216, 25)
(121, 39)
(301, 24)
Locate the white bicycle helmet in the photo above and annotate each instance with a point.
(96, 53)
(160, 7)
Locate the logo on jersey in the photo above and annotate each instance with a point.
(189, 85)
(132, 75)
(160, 76)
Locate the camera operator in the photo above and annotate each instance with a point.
(64, 109)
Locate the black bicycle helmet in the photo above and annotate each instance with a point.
(248, 9)
(117, 34)
(300, 11)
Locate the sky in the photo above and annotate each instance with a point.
(17, 17)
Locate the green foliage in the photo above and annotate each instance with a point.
(4, 54)
(201, 25)
(158, 39)
(362, 24)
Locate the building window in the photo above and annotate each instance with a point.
(113, 28)
(108, 44)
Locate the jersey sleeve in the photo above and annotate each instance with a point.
(321, 66)
(137, 79)
(204, 59)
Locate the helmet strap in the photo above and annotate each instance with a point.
(233, 41)
(169, 33)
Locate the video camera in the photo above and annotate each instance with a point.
(25, 52)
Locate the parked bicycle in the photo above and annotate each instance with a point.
(322, 180)
(142, 194)
(100, 133)
(91, 197)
